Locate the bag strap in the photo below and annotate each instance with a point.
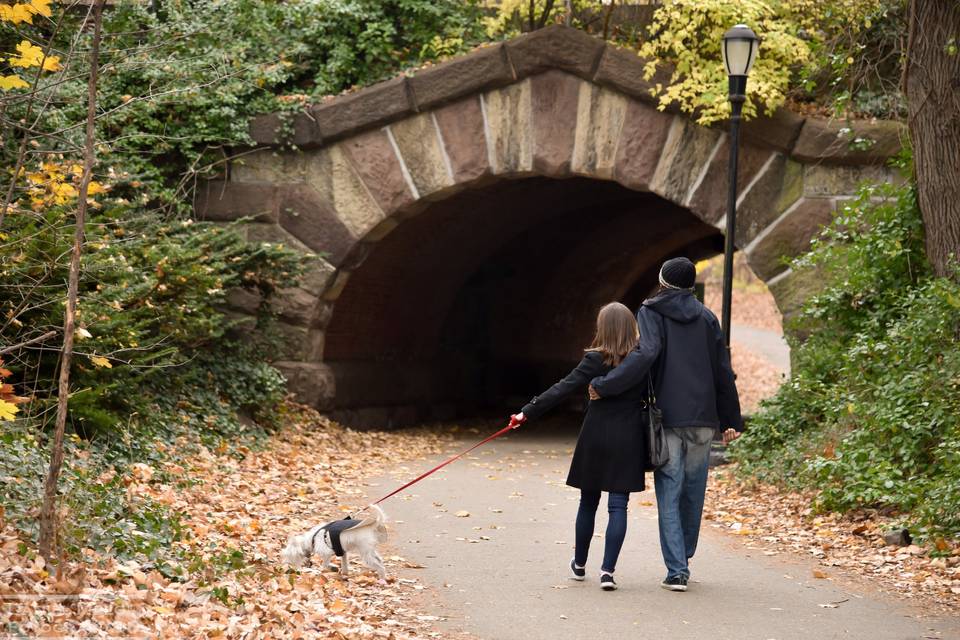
(651, 394)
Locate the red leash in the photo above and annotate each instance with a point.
(507, 428)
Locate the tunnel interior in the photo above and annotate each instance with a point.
(488, 296)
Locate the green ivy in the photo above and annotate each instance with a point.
(210, 66)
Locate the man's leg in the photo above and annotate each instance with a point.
(696, 468)
(668, 483)
(586, 516)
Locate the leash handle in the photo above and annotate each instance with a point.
(507, 428)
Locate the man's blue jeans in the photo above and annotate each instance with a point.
(680, 486)
(616, 527)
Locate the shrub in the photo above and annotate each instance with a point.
(871, 414)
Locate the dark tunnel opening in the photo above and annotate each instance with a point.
(486, 297)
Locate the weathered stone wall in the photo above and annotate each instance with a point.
(553, 104)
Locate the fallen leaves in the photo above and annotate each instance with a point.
(776, 521)
(757, 378)
(309, 472)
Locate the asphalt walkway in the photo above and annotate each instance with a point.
(495, 533)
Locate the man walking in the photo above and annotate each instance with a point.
(682, 347)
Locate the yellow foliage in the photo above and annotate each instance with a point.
(503, 22)
(12, 82)
(100, 361)
(57, 184)
(32, 56)
(16, 13)
(8, 410)
(8, 400)
(689, 34)
(24, 11)
(42, 7)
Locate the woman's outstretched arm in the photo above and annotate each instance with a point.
(576, 380)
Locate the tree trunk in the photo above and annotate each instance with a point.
(547, 10)
(48, 512)
(932, 84)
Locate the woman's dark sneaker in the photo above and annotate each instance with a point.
(677, 583)
(606, 582)
(577, 573)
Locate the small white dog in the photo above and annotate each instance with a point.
(359, 539)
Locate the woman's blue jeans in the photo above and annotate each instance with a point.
(616, 527)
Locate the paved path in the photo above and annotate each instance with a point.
(499, 574)
(767, 344)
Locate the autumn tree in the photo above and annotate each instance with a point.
(932, 84)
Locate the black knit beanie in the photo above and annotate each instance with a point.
(678, 273)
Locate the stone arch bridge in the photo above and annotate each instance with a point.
(474, 215)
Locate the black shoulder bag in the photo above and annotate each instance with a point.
(657, 450)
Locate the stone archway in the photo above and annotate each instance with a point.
(554, 122)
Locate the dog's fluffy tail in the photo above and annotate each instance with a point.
(376, 519)
(380, 518)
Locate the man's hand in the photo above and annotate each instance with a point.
(517, 420)
(593, 393)
(730, 435)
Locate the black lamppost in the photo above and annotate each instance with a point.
(739, 51)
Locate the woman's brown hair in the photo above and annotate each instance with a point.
(617, 333)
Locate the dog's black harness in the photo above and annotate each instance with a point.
(331, 534)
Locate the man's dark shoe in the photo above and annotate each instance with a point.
(676, 583)
(606, 582)
(577, 573)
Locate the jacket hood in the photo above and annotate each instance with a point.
(681, 306)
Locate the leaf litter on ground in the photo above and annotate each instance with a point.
(311, 471)
(782, 522)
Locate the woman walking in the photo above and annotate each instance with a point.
(610, 453)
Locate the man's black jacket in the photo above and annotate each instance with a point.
(681, 344)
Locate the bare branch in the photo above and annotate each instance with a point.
(41, 338)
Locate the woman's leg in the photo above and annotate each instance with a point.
(586, 516)
(616, 529)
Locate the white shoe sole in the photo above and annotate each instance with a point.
(673, 587)
(574, 576)
(608, 587)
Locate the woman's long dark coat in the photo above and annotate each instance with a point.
(610, 451)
